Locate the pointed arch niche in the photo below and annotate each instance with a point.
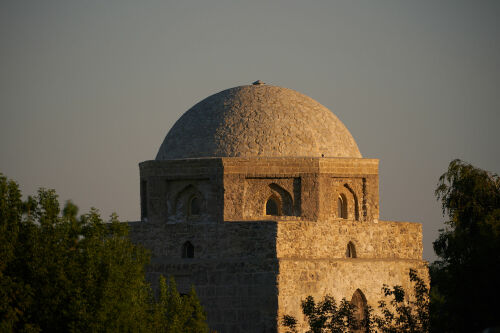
(189, 202)
(359, 301)
(350, 250)
(194, 205)
(279, 202)
(187, 250)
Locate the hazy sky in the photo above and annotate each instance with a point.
(88, 89)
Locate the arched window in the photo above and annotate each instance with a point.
(359, 301)
(194, 206)
(188, 250)
(351, 251)
(342, 207)
(272, 207)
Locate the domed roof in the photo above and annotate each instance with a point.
(258, 121)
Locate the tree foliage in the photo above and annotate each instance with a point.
(325, 316)
(178, 313)
(465, 288)
(405, 313)
(63, 273)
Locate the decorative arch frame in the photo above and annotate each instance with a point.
(284, 198)
(184, 200)
(355, 197)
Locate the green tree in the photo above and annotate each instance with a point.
(177, 313)
(15, 295)
(325, 316)
(465, 289)
(404, 313)
(64, 273)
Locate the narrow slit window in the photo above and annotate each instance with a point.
(188, 250)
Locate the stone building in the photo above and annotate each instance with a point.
(259, 197)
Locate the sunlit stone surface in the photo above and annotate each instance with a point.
(259, 197)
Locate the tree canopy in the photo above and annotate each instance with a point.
(465, 289)
(64, 273)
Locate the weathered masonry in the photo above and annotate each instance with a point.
(259, 197)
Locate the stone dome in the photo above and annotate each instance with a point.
(258, 121)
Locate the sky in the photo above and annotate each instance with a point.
(88, 89)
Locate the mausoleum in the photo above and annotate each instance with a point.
(259, 197)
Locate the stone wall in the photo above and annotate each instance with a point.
(236, 189)
(248, 274)
(250, 268)
(234, 269)
(237, 295)
(170, 183)
(329, 239)
(238, 240)
(340, 278)
(313, 183)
